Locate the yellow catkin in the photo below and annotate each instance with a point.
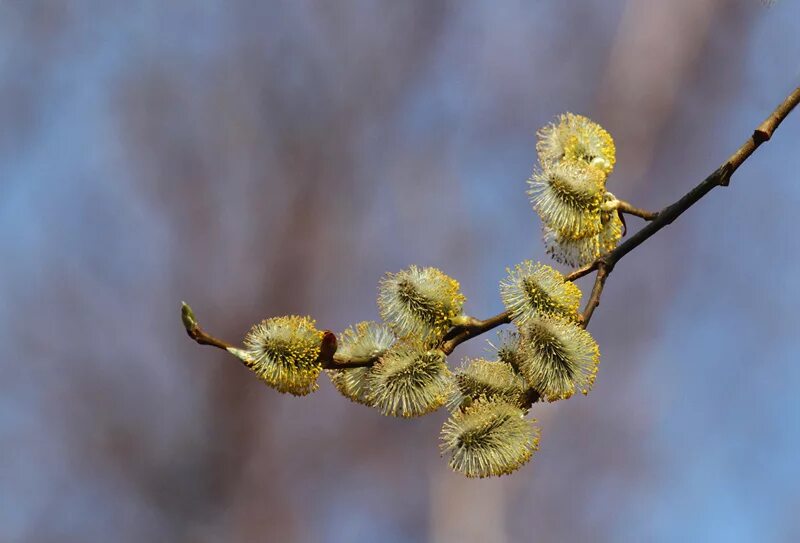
(283, 352)
(409, 381)
(575, 137)
(533, 289)
(364, 340)
(480, 379)
(558, 357)
(419, 303)
(488, 438)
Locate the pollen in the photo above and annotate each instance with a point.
(611, 228)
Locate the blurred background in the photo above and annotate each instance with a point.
(267, 158)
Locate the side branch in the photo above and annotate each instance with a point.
(597, 290)
(580, 272)
(625, 207)
(475, 328)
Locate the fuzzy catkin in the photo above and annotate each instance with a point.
(480, 379)
(419, 303)
(283, 352)
(535, 289)
(488, 438)
(557, 357)
(409, 382)
(363, 341)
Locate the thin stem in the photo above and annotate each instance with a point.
(197, 333)
(476, 328)
(625, 207)
(597, 290)
(580, 272)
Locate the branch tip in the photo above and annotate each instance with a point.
(188, 318)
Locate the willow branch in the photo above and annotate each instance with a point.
(327, 352)
(604, 265)
(720, 177)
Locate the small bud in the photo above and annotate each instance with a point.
(557, 357)
(364, 340)
(532, 290)
(283, 352)
(488, 439)
(419, 302)
(409, 382)
(188, 318)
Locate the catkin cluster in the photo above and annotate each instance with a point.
(568, 190)
(547, 355)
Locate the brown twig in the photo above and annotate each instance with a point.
(603, 265)
(476, 328)
(597, 290)
(580, 272)
(625, 207)
(197, 333)
(718, 178)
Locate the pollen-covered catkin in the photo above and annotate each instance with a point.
(488, 438)
(419, 303)
(365, 340)
(572, 252)
(568, 192)
(557, 357)
(535, 289)
(611, 226)
(282, 352)
(409, 381)
(576, 138)
(567, 196)
(487, 380)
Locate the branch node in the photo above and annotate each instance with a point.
(327, 349)
(760, 135)
(724, 174)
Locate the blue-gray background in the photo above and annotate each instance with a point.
(267, 158)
